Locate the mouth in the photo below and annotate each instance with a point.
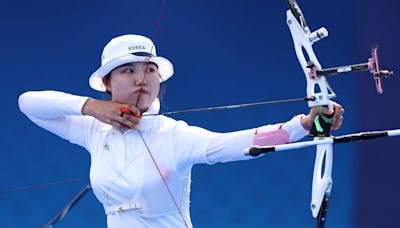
(141, 92)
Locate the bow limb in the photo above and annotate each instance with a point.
(322, 181)
(67, 208)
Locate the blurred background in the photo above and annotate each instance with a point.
(224, 52)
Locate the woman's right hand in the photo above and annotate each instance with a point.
(109, 112)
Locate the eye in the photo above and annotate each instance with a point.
(129, 70)
(151, 69)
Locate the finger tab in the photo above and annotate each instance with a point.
(125, 110)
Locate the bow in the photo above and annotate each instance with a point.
(319, 94)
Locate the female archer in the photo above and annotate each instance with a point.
(141, 161)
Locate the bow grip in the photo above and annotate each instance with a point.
(322, 124)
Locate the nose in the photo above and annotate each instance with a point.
(141, 79)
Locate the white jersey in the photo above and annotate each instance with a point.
(123, 175)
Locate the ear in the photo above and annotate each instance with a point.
(107, 82)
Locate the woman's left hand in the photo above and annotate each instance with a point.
(337, 119)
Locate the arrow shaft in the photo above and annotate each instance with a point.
(225, 107)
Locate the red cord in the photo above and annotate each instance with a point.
(137, 102)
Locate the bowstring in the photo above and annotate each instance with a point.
(43, 186)
(137, 102)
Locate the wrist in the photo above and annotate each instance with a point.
(87, 107)
(305, 122)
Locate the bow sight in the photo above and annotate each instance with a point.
(315, 70)
(372, 65)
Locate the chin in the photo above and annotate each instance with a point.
(143, 104)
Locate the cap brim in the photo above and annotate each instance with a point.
(165, 68)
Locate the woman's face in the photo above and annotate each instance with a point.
(126, 84)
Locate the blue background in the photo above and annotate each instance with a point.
(224, 52)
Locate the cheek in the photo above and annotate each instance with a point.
(157, 87)
(120, 82)
(120, 88)
(154, 85)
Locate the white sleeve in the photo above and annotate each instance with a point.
(59, 113)
(227, 147)
(190, 144)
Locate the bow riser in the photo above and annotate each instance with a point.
(303, 40)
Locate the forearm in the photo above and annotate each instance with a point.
(50, 104)
(228, 147)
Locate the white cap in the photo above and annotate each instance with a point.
(127, 49)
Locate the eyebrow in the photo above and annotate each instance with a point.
(133, 64)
